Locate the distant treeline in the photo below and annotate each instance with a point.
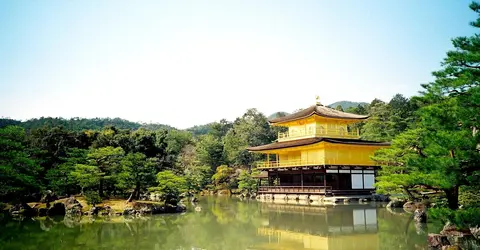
(79, 124)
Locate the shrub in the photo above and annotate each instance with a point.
(170, 186)
(92, 197)
(463, 218)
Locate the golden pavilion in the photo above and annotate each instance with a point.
(321, 153)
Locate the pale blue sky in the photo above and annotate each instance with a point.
(186, 63)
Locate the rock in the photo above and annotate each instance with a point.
(395, 203)
(437, 241)
(49, 197)
(73, 207)
(420, 216)
(475, 232)
(450, 247)
(158, 210)
(108, 210)
(129, 211)
(144, 210)
(95, 210)
(42, 212)
(22, 209)
(223, 192)
(409, 206)
(181, 208)
(380, 197)
(56, 210)
(451, 230)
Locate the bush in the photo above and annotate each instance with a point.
(170, 186)
(246, 181)
(92, 197)
(469, 196)
(463, 218)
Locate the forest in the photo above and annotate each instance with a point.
(435, 146)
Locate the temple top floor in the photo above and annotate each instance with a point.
(318, 121)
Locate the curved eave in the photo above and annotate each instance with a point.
(272, 122)
(320, 111)
(315, 140)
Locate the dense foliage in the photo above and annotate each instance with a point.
(77, 157)
(79, 124)
(440, 149)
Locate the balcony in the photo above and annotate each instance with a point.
(294, 163)
(319, 132)
(290, 163)
(295, 189)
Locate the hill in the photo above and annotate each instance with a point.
(200, 129)
(346, 104)
(79, 124)
(277, 115)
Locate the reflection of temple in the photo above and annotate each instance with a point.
(340, 227)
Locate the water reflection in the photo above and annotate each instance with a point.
(224, 223)
(339, 227)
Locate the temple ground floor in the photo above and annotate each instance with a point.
(318, 180)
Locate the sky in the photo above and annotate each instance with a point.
(186, 63)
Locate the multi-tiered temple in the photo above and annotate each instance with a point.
(320, 154)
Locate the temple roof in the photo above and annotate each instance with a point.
(310, 141)
(319, 110)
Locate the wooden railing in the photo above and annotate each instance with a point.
(288, 163)
(306, 133)
(295, 189)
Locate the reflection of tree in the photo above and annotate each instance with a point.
(223, 223)
(397, 231)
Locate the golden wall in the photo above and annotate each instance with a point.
(329, 153)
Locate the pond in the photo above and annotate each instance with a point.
(226, 223)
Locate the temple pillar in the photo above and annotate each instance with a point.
(325, 179)
(301, 177)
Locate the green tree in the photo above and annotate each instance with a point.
(170, 186)
(224, 177)
(246, 182)
(210, 151)
(87, 177)
(442, 151)
(252, 129)
(198, 177)
(50, 146)
(379, 126)
(18, 172)
(107, 163)
(339, 108)
(220, 129)
(60, 179)
(137, 173)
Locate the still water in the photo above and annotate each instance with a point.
(226, 223)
